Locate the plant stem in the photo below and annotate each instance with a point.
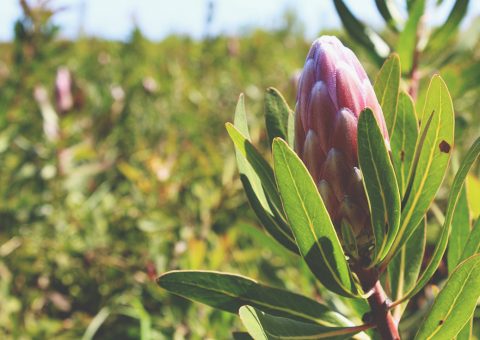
(379, 305)
(382, 317)
(415, 72)
(414, 77)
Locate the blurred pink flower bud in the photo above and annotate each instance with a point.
(333, 90)
(63, 90)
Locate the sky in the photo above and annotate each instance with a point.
(114, 19)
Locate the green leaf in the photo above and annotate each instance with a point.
(473, 191)
(276, 115)
(262, 326)
(229, 292)
(278, 229)
(380, 183)
(403, 139)
(97, 321)
(459, 233)
(410, 5)
(455, 304)
(404, 269)
(258, 163)
(444, 32)
(349, 240)
(432, 154)
(373, 43)
(240, 118)
(291, 129)
(472, 245)
(386, 88)
(390, 13)
(466, 332)
(407, 41)
(314, 232)
(241, 336)
(275, 225)
(441, 243)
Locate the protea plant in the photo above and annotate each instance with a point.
(352, 180)
(333, 90)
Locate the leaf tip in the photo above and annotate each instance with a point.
(395, 55)
(364, 112)
(160, 279)
(272, 91)
(278, 141)
(438, 78)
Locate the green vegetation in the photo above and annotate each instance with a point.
(139, 177)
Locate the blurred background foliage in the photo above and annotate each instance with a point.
(137, 176)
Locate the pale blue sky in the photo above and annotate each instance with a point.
(157, 18)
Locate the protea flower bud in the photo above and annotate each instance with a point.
(333, 90)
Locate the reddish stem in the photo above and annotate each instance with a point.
(382, 317)
(379, 305)
(414, 72)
